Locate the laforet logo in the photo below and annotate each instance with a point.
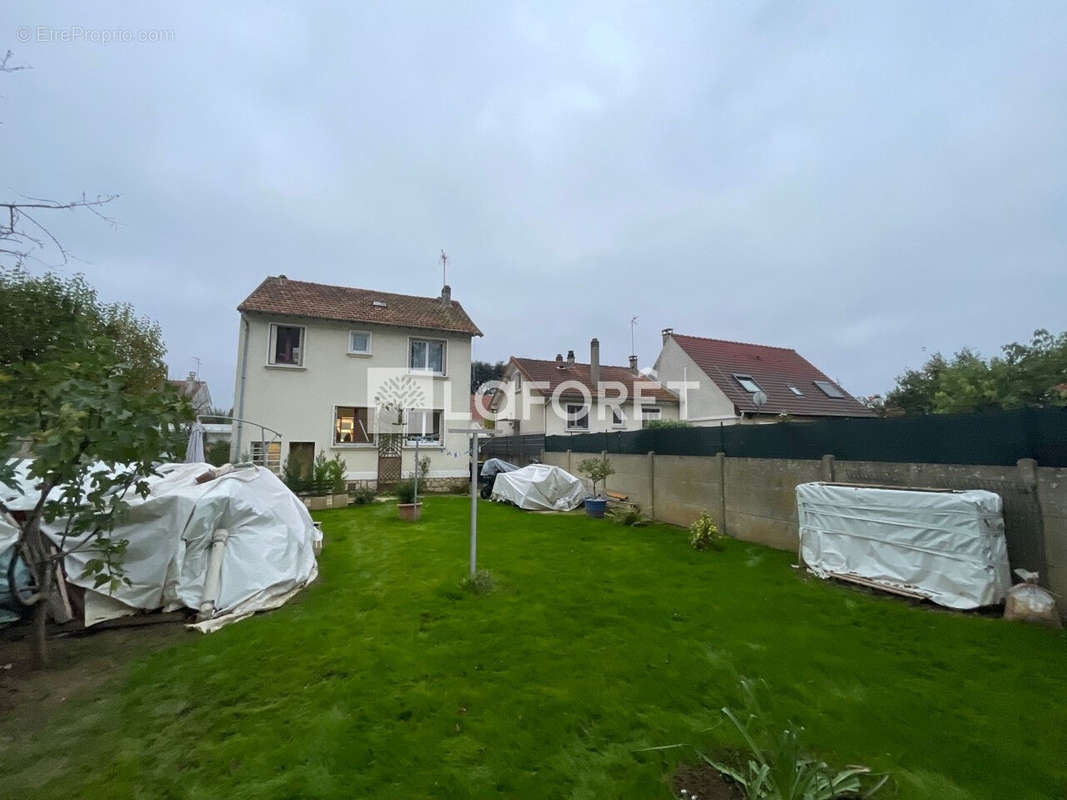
(400, 392)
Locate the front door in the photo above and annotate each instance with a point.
(302, 459)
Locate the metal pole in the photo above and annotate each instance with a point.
(474, 502)
(417, 469)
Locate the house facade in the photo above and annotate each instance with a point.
(740, 383)
(195, 391)
(356, 373)
(563, 396)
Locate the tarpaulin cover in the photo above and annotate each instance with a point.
(9, 536)
(946, 546)
(494, 466)
(539, 487)
(269, 553)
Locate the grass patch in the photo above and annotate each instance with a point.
(385, 679)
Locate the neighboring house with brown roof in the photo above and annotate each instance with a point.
(341, 370)
(589, 398)
(733, 377)
(195, 391)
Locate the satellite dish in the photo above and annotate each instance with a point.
(759, 399)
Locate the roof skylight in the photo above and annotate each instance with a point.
(829, 389)
(747, 383)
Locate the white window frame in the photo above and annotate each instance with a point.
(571, 423)
(410, 436)
(370, 343)
(370, 427)
(272, 344)
(426, 370)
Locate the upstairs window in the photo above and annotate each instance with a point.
(795, 390)
(427, 355)
(747, 383)
(359, 343)
(351, 425)
(829, 389)
(577, 417)
(424, 424)
(287, 345)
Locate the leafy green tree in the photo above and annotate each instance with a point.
(1033, 374)
(82, 396)
(482, 371)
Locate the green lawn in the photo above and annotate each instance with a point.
(385, 681)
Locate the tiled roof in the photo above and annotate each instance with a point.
(282, 296)
(774, 369)
(556, 372)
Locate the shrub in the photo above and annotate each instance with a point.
(664, 424)
(776, 767)
(631, 517)
(329, 473)
(704, 533)
(362, 496)
(481, 583)
(405, 492)
(218, 453)
(597, 470)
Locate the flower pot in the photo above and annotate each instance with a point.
(594, 506)
(409, 512)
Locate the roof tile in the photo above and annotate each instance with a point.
(285, 297)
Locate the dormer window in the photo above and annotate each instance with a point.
(747, 383)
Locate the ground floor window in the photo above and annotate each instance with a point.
(352, 425)
(616, 417)
(424, 424)
(577, 417)
(649, 413)
(267, 454)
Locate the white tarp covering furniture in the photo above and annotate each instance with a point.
(947, 546)
(539, 487)
(268, 554)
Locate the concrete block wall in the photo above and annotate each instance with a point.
(754, 499)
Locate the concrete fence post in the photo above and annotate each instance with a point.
(652, 484)
(828, 468)
(720, 462)
(1027, 472)
(570, 469)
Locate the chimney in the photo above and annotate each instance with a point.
(594, 364)
(667, 334)
(633, 365)
(446, 295)
(570, 358)
(283, 278)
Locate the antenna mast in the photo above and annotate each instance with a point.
(444, 269)
(633, 327)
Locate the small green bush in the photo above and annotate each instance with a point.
(330, 472)
(630, 517)
(362, 496)
(666, 424)
(405, 492)
(481, 583)
(218, 453)
(704, 533)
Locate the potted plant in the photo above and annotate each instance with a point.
(597, 470)
(406, 504)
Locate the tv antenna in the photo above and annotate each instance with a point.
(444, 266)
(633, 327)
(197, 360)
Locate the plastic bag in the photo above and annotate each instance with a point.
(1031, 603)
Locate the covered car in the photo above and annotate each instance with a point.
(946, 546)
(539, 487)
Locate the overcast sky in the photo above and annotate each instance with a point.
(863, 182)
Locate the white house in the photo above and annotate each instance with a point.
(565, 397)
(353, 372)
(195, 391)
(737, 382)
